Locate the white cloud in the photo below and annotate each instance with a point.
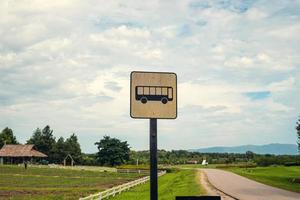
(67, 64)
(256, 14)
(240, 62)
(290, 32)
(282, 86)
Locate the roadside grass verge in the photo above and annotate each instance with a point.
(48, 183)
(278, 176)
(213, 166)
(144, 167)
(193, 166)
(176, 183)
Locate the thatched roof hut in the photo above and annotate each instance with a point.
(16, 153)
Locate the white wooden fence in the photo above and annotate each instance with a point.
(118, 189)
(77, 167)
(140, 171)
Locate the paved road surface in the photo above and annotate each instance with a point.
(211, 190)
(246, 189)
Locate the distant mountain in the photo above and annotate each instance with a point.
(277, 149)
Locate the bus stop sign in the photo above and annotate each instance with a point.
(153, 95)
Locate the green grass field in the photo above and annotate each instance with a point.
(193, 166)
(179, 183)
(48, 183)
(278, 176)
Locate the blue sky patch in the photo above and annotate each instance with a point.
(107, 22)
(240, 6)
(199, 4)
(72, 72)
(201, 23)
(184, 30)
(258, 95)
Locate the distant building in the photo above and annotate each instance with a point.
(204, 162)
(191, 162)
(19, 153)
(71, 160)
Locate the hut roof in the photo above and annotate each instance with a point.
(20, 150)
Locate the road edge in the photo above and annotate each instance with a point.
(206, 179)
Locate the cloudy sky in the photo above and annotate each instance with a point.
(67, 64)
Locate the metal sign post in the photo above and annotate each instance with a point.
(153, 95)
(153, 160)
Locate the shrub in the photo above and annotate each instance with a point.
(288, 164)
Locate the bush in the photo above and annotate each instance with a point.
(43, 162)
(240, 165)
(295, 180)
(170, 170)
(288, 164)
(142, 167)
(250, 165)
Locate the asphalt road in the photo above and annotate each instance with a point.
(211, 190)
(245, 189)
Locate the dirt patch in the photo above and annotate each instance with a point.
(5, 194)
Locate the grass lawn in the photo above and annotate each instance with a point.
(278, 176)
(179, 183)
(194, 166)
(49, 183)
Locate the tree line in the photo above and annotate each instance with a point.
(112, 151)
(178, 157)
(44, 141)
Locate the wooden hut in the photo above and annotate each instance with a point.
(70, 158)
(19, 153)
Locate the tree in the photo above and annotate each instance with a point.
(249, 155)
(64, 147)
(58, 151)
(72, 147)
(298, 133)
(112, 151)
(7, 137)
(43, 141)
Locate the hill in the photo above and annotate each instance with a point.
(277, 149)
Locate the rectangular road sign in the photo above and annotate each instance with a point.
(153, 95)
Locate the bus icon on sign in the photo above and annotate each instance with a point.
(153, 93)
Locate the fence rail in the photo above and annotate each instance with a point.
(140, 171)
(77, 167)
(118, 189)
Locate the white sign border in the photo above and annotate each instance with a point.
(153, 73)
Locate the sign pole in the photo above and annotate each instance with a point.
(153, 159)
(153, 95)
